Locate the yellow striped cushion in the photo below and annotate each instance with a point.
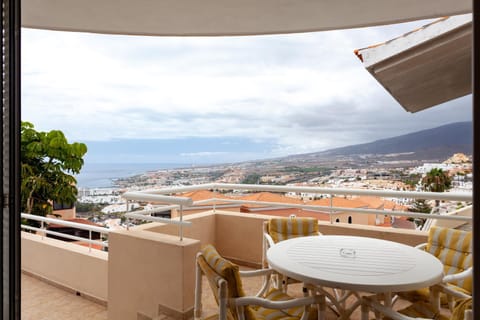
(422, 310)
(287, 228)
(424, 295)
(454, 249)
(262, 313)
(459, 310)
(215, 266)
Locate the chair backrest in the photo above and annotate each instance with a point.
(454, 249)
(215, 268)
(287, 228)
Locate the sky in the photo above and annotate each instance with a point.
(214, 99)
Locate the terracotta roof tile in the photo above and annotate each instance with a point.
(298, 213)
(339, 202)
(85, 244)
(76, 220)
(204, 195)
(403, 224)
(269, 197)
(373, 202)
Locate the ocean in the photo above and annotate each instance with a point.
(100, 175)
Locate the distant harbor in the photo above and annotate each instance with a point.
(103, 175)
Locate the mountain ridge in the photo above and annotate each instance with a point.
(434, 143)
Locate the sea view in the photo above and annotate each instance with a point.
(102, 175)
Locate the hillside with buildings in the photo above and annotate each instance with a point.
(394, 169)
(431, 144)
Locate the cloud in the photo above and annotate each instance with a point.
(300, 93)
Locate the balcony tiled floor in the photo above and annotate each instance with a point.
(42, 301)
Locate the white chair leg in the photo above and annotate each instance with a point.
(365, 311)
(388, 299)
(435, 298)
(222, 304)
(322, 306)
(375, 311)
(197, 313)
(468, 315)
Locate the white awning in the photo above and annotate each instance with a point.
(427, 66)
(227, 17)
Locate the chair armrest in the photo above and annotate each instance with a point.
(269, 240)
(256, 273)
(256, 301)
(421, 246)
(458, 276)
(450, 292)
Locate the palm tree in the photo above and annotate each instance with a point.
(436, 180)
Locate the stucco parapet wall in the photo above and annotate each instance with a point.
(227, 231)
(144, 232)
(66, 265)
(405, 236)
(150, 274)
(66, 245)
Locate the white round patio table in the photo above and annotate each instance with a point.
(355, 263)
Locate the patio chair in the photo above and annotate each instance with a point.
(420, 310)
(279, 229)
(454, 249)
(225, 281)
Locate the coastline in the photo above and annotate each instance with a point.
(103, 175)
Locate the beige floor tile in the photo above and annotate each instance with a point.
(41, 301)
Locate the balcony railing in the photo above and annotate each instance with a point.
(44, 221)
(169, 202)
(164, 196)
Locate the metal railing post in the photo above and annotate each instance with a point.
(90, 238)
(128, 219)
(42, 226)
(214, 201)
(181, 220)
(331, 210)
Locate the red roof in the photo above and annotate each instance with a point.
(76, 220)
(289, 211)
(339, 202)
(268, 197)
(85, 244)
(204, 195)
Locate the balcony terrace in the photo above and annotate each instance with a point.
(148, 271)
(42, 300)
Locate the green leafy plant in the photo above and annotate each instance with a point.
(436, 180)
(48, 164)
